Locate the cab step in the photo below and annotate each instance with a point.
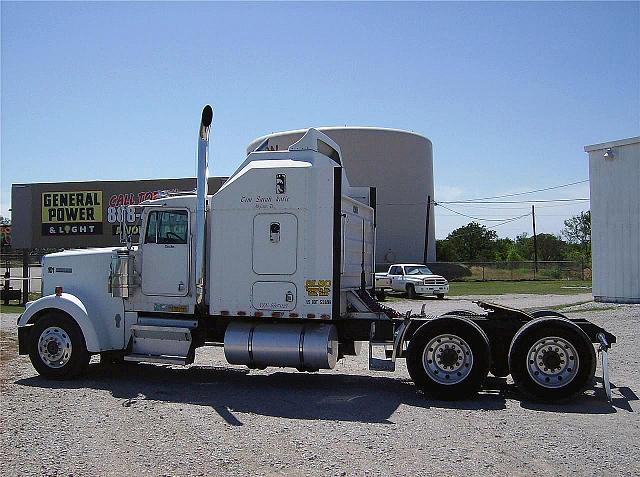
(160, 344)
(146, 358)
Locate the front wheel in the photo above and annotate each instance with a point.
(449, 357)
(551, 359)
(440, 296)
(57, 348)
(411, 291)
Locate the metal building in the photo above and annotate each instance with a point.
(400, 165)
(614, 173)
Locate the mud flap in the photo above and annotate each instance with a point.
(603, 350)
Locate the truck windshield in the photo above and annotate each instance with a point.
(417, 270)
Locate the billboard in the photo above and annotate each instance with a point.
(85, 214)
(72, 213)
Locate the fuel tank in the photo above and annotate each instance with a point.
(305, 346)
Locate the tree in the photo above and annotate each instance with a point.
(501, 249)
(550, 247)
(577, 230)
(524, 246)
(445, 251)
(473, 242)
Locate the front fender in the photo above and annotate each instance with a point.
(72, 306)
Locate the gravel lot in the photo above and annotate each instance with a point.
(215, 419)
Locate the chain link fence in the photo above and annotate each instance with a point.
(522, 270)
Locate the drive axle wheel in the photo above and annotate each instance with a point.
(551, 359)
(56, 347)
(448, 357)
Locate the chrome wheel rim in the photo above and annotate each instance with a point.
(447, 359)
(54, 347)
(552, 362)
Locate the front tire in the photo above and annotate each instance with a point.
(449, 357)
(440, 296)
(551, 359)
(411, 291)
(57, 348)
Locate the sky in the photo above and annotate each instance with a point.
(508, 93)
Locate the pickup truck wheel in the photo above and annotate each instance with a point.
(411, 291)
(56, 347)
(551, 359)
(381, 295)
(449, 357)
(440, 296)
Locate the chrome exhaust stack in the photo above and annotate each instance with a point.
(201, 202)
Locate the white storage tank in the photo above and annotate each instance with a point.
(614, 173)
(400, 165)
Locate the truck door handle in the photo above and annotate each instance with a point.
(180, 286)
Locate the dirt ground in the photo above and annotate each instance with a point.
(216, 419)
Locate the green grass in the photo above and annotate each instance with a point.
(11, 308)
(542, 287)
(18, 308)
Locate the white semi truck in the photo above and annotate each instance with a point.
(277, 267)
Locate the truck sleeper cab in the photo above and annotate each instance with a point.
(278, 268)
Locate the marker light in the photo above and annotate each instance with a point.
(58, 291)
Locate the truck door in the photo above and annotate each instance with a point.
(397, 278)
(166, 253)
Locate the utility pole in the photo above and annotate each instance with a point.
(535, 242)
(426, 230)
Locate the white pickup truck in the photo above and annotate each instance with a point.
(413, 279)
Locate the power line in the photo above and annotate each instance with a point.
(578, 199)
(524, 206)
(481, 219)
(510, 220)
(524, 193)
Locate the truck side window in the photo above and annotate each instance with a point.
(170, 227)
(152, 228)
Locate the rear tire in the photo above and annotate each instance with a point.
(546, 314)
(411, 291)
(551, 359)
(57, 348)
(449, 357)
